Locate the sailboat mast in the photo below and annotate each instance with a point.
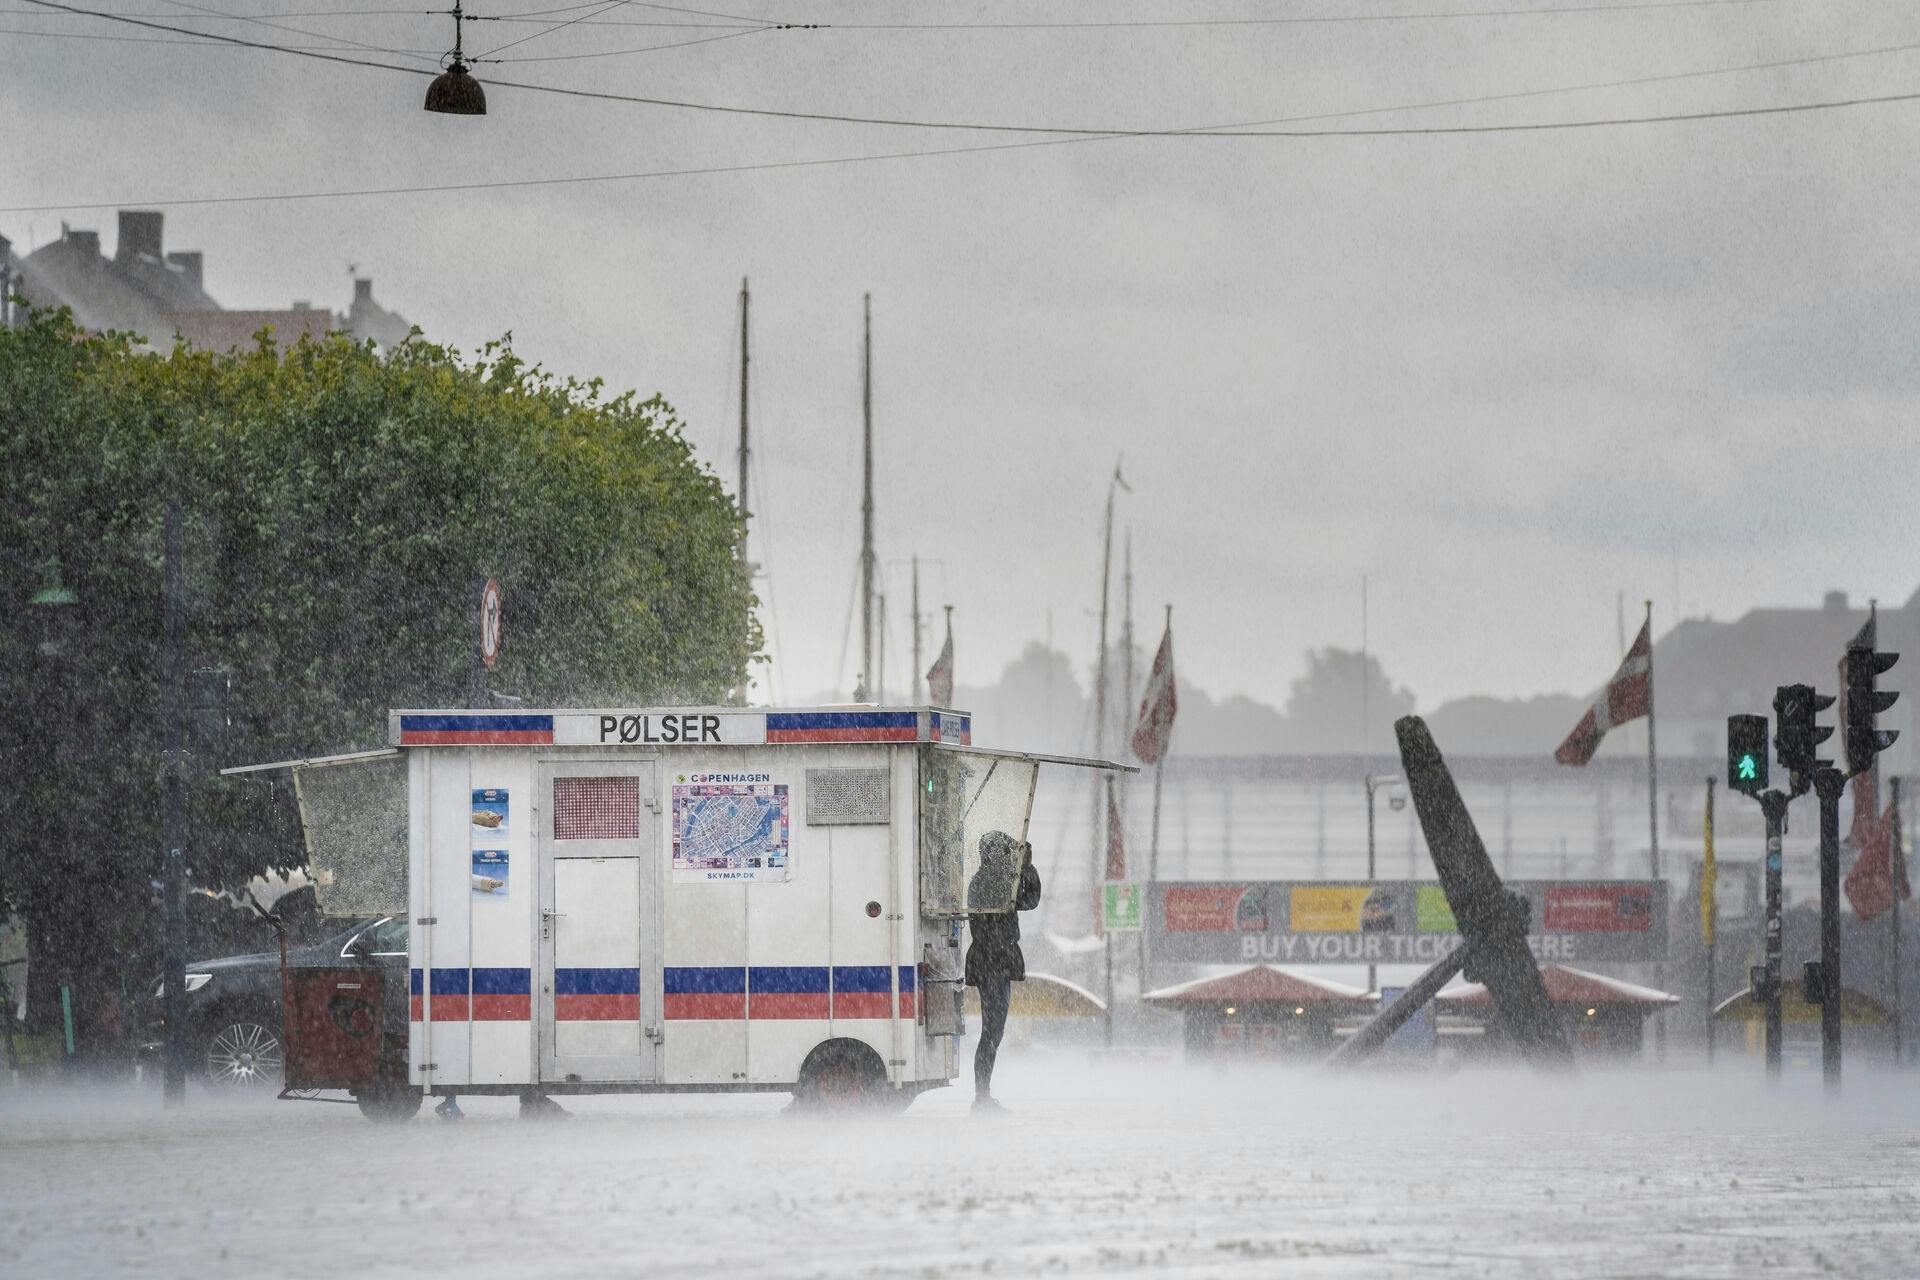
(739, 692)
(865, 691)
(743, 418)
(918, 670)
(1100, 701)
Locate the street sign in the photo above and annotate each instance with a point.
(1120, 902)
(490, 622)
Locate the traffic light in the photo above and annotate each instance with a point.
(1797, 737)
(1747, 754)
(1863, 702)
(1813, 982)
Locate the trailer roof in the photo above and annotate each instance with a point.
(671, 728)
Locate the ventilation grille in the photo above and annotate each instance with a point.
(838, 797)
(596, 808)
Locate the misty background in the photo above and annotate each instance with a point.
(1510, 378)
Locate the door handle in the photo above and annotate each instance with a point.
(547, 917)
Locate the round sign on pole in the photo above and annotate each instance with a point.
(490, 622)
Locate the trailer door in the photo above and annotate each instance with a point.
(599, 948)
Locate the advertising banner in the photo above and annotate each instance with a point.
(1394, 921)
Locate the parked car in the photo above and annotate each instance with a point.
(234, 1034)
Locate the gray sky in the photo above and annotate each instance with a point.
(1504, 375)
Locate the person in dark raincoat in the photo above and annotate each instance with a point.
(994, 961)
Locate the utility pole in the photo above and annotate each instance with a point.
(880, 648)
(174, 1075)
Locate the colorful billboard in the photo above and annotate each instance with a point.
(1394, 921)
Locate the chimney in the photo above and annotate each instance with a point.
(191, 265)
(1834, 602)
(87, 242)
(362, 292)
(139, 233)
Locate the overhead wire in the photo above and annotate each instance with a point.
(234, 17)
(1632, 6)
(621, 53)
(825, 161)
(703, 13)
(1246, 129)
(190, 42)
(607, 7)
(281, 26)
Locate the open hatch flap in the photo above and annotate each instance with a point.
(353, 816)
(975, 805)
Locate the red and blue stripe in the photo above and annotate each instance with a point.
(475, 995)
(476, 730)
(843, 726)
(596, 995)
(692, 993)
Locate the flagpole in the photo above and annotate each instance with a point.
(1653, 834)
(1153, 847)
(1709, 909)
(1100, 710)
(1896, 874)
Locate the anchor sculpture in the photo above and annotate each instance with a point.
(1492, 920)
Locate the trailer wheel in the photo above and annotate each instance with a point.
(389, 1103)
(847, 1077)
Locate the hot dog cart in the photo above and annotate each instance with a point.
(706, 899)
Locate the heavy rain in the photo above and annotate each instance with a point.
(588, 681)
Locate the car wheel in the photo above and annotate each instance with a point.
(244, 1053)
(389, 1103)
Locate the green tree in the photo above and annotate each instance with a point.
(340, 507)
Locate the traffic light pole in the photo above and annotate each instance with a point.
(1829, 785)
(1773, 805)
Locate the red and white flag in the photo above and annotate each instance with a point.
(1625, 698)
(1116, 837)
(940, 674)
(1157, 708)
(1879, 875)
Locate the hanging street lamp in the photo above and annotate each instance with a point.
(454, 92)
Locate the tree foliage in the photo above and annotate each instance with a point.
(341, 507)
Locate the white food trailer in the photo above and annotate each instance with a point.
(702, 899)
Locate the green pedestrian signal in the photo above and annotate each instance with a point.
(1747, 754)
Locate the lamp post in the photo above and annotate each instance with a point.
(1396, 800)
